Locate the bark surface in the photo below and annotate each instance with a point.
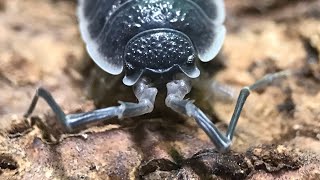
(278, 135)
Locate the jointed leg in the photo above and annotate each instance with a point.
(219, 91)
(244, 93)
(144, 94)
(175, 100)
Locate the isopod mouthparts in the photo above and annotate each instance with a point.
(159, 51)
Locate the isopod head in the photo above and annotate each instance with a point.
(159, 51)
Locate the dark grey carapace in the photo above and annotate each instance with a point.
(148, 38)
(151, 35)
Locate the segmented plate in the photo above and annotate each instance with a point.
(107, 25)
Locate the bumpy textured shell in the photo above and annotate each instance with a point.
(107, 25)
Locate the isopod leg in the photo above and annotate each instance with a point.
(215, 89)
(41, 92)
(145, 95)
(175, 100)
(245, 92)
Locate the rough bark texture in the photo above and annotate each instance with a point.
(278, 135)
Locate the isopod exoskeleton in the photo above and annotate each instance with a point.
(147, 38)
(151, 35)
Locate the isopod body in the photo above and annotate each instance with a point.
(157, 36)
(148, 39)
